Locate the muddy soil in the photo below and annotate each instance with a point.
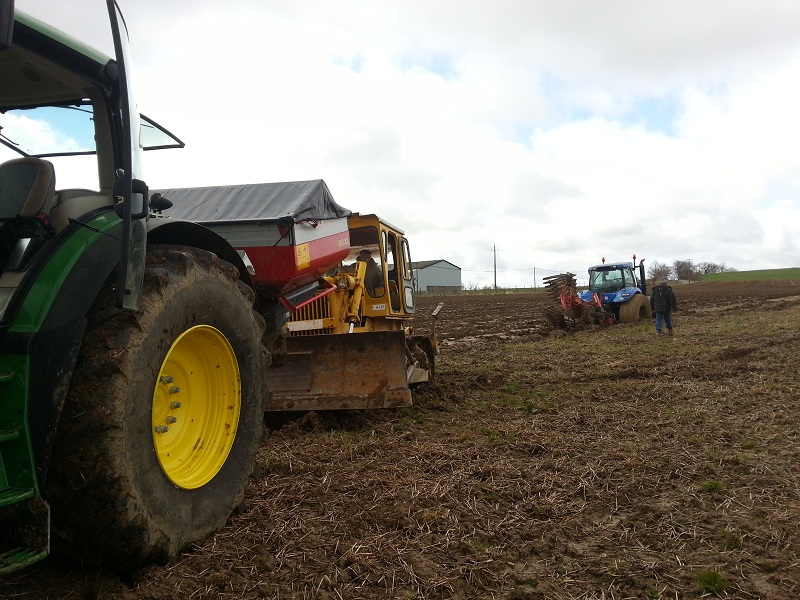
(604, 463)
(520, 315)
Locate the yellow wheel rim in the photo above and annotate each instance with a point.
(196, 406)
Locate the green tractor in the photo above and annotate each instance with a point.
(135, 347)
(130, 353)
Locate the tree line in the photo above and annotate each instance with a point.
(685, 270)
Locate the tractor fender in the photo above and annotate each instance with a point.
(623, 296)
(168, 230)
(52, 341)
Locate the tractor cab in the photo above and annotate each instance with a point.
(613, 278)
(615, 284)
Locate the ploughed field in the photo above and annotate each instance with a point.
(603, 463)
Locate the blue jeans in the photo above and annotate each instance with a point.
(666, 317)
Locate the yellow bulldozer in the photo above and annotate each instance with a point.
(351, 344)
(335, 288)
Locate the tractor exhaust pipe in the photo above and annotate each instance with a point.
(642, 280)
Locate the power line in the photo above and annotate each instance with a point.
(493, 270)
(503, 270)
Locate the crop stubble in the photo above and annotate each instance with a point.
(604, 463)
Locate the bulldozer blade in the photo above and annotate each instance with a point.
(344, 371)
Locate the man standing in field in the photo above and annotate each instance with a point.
(663, 302)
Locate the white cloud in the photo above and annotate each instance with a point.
(559, 132)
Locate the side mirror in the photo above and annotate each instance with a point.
(158, 203)
(138, 198)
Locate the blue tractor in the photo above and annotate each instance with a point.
(622, 294)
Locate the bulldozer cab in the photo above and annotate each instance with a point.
(388, 278)
(357, 324)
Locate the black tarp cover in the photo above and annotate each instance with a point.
(299, 200)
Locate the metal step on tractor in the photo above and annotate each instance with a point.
(140, 352)
(615, 294)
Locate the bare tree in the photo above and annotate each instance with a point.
(685, 269)
(658, 271)
(706, 268)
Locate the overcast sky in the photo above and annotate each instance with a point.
(557, 132)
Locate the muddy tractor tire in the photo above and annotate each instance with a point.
(634, 309)
(163, 417)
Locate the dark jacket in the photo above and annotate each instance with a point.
(662, 299)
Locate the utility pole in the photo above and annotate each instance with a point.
(534, 277)
(494, 251)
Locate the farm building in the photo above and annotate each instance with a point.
(436, 277)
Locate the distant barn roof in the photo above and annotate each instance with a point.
(424, 264)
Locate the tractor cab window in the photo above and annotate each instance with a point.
(365, 247)
(392, 262)
(42, 131)
(66, 134)
(408, 277)
(606, 281)
(630, 278)
(54, 133)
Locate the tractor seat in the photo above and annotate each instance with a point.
(73, 203)
(27, 186)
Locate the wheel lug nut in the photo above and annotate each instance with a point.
(171, 419)
(161, 429)
(175, 404)
(174, 389)
(166, 379)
